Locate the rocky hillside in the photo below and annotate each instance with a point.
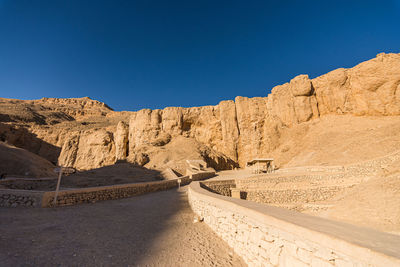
(42, 126)
(20, 162)
(87, 134)
(50, 111)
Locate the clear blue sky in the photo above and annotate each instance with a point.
(153, 54)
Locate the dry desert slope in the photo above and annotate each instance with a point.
(338, 140)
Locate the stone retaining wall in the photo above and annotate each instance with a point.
(269, 236)
(308, 169)
(222, 187)
(281, 182)
(202, 175)
(292, 195)
(94, 194)
(257, 189)
(30, 198)
(372, 167)
(365, 168)
(20, 198)
(29, 184)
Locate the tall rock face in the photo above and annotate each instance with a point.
(250, 127)
(370, 88)
(225, 135)
(149, 129)
(69, 151)
(294, 102)
(253, 125)
(121, 141)
(229, 129)
(88, 150)
(76, 107)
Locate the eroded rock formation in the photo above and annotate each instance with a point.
(121, 141)
(227, 134)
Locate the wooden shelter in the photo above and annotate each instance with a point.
(260, 165)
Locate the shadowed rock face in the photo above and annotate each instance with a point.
(20, 162)
(233, 131)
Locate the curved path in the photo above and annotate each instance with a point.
(150, 230)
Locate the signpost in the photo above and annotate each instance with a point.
(59, 170)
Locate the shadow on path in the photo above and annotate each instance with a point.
(153, 229)
(113, 232)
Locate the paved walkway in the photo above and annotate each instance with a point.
(151, 230)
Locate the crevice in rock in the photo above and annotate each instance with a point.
(238, 129)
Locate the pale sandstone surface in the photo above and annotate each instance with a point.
(150, 230)
(89, 150)
(374, 204)
(338, 140)
(370, 88)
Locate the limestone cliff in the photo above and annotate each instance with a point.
(250, 127)
(92, 135)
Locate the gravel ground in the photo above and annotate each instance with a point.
(151, 230)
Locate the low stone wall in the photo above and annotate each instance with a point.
(20, 198)
(292, 195)
(269, 236)
(372, 167)
(202, 175)
(169, 174)
(15, 197)
(42, 184)
(222, 187)
(311, 169)
(94, 194)
(281, 181)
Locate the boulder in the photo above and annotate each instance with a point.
(301, 86)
